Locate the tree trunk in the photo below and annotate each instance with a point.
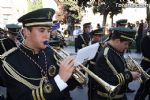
(112, 20)
(104, 22)
(148, 13)
(57, 2)
(104, 19)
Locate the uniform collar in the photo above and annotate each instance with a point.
(27, 49)
(115, 50)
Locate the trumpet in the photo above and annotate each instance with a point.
(132, 65)
(81, 78)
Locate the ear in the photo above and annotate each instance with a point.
(26, 32)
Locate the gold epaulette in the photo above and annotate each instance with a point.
(8, 52)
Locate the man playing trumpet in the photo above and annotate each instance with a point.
(111, 65)
(30, 71)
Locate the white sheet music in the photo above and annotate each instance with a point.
(86, 53)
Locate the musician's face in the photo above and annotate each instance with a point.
(123, 45)
(97, 38)
(88, 29)
(36, 37)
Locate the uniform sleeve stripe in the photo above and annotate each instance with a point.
(118, 78)
(33, 95)
(123, 80)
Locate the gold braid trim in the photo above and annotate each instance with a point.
(83, 40)
(118, 76)
(41, 93)
(147, 59)
(123, 36)
(37, 94)
(41, 88)
(7, 52)
(33, 95)
(3, 44)
(39, 23)
(123, 80)
(108, 62)
(7, 68)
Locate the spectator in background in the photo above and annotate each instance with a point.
(139, 37)
(129, 25)
(98, 26)
(145, 28)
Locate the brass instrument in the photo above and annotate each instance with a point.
(132, 65)
(81, 78)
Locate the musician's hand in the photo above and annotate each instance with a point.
(66, 68)
(135, 75)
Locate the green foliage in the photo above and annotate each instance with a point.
(34, 4)
(75, 10)
(71, 43)
(107, 6)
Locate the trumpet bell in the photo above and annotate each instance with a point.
(114, 90)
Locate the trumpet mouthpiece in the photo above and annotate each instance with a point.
(45, 43)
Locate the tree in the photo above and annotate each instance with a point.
(114, 11)
(148, 12)
(34, 4)
(68, 12)
(69, 8)
(105, 7)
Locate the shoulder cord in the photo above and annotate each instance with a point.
(108, 62)
(13, 73)
(119, 76)
(2, 57)
(3, 45)
(83, 39)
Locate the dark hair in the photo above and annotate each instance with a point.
(29, 28)
(116, 35)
